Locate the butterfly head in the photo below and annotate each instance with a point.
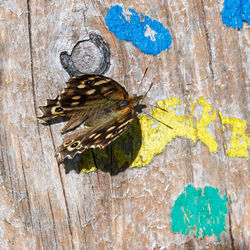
(137, 99)
(136, 102)
(131, 104)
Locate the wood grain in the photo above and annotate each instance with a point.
(43, 206)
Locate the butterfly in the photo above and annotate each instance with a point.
(102, 104)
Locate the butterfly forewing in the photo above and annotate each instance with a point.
(87, 89)
(83, 96)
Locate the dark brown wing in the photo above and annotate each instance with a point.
(84, 89)
(83, 96)
(105, 130)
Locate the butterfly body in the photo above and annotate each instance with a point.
(101, 103)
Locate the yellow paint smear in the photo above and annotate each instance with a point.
(239, 142)
(155, 138)
(147, 137)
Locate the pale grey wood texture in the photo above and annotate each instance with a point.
(42, 207)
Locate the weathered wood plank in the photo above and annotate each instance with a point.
(51, 208)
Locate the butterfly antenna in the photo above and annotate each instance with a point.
(157, 107)
(157, 120)
(145, 72)
(151, 85)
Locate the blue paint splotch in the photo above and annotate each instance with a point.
(148, 35)
(235, 12)
(200, 212)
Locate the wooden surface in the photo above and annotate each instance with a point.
(42, 206)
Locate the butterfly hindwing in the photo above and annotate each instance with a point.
(51, 110)
(104, 132)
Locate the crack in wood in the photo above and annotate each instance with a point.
(207, 39)
(25, 183)
(53, 219)
(230, 219)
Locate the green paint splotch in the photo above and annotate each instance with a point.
(200, 212)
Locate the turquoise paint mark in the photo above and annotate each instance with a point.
(200, 212)
(235, 12)
(146, 34)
